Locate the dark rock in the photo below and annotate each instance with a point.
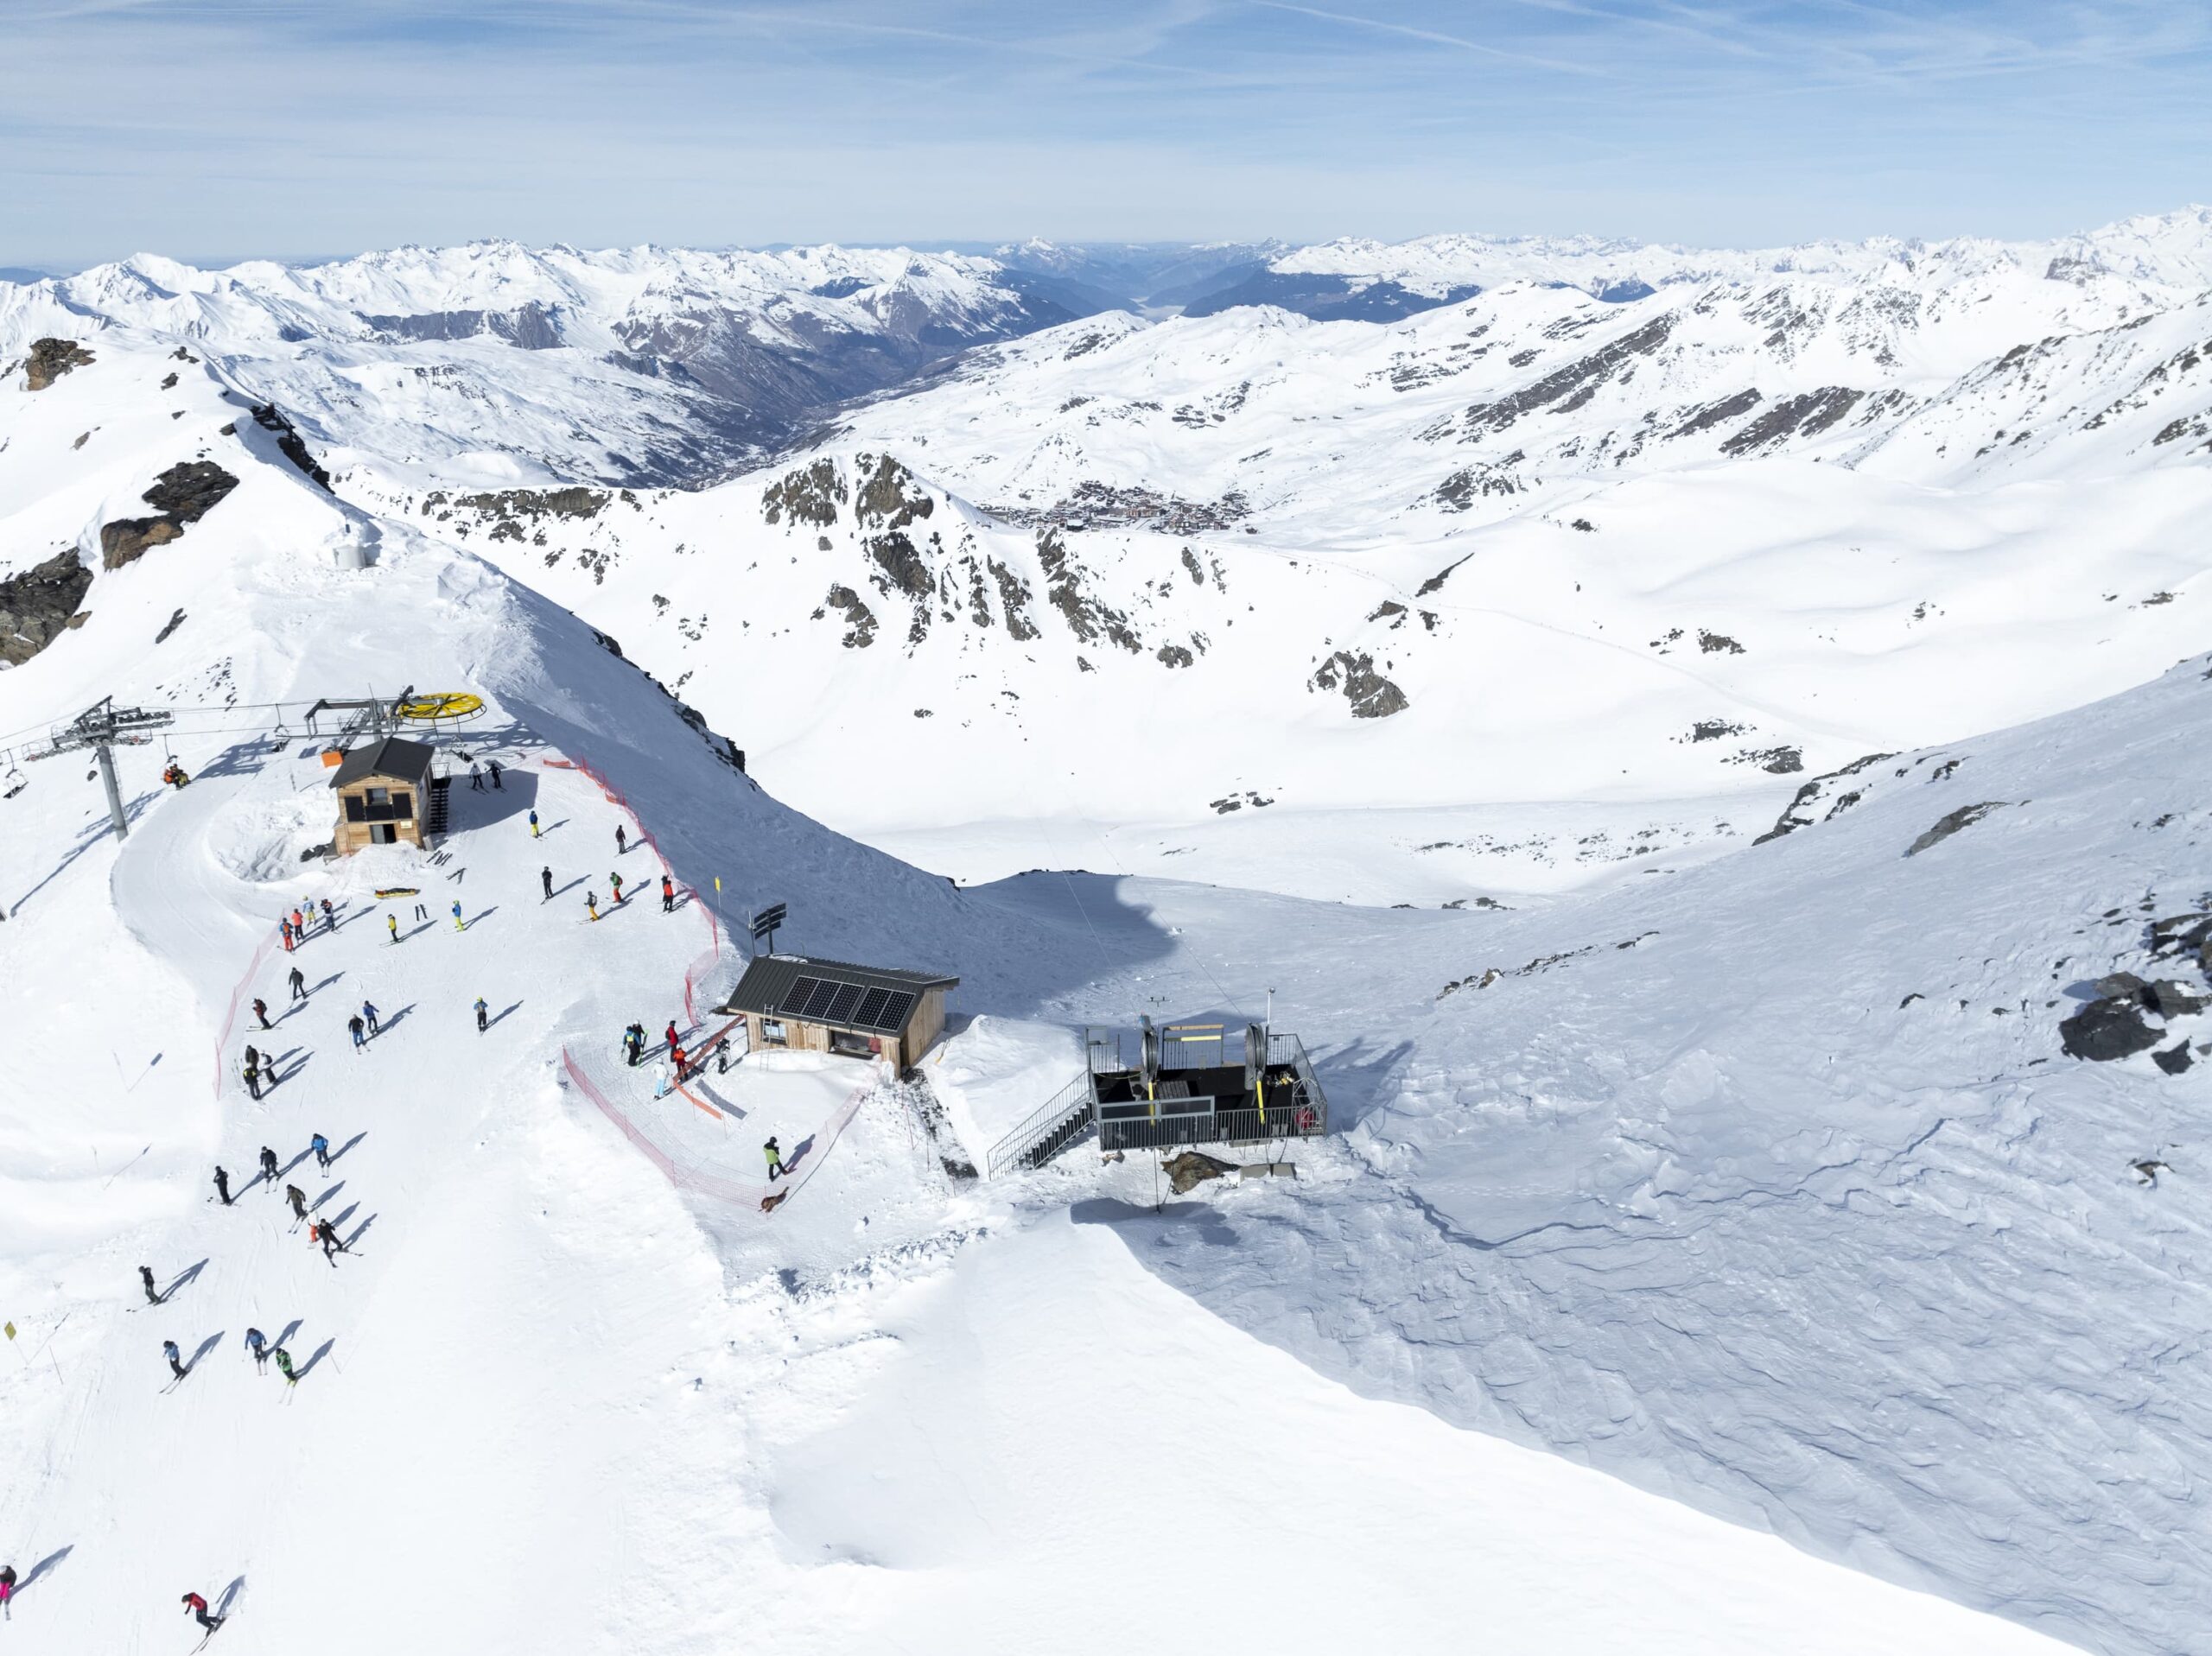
(810, 495)
(2174, 1059)
(1567, 389)
(2107, 1028)
(51, 359)
(1798, 814)
(1193, 1168)
(1372, 695)
(173, 623)
(36, 605)
(184, 494)
(2120, 983)
(1714, 414)
(290, 444)
(1952, 823)
(1796, 416)
(859, 620)
(2170, 1000)
(891, 497)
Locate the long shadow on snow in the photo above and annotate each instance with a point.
(471, 809)
(308, 1367)
(87, 837)
(43, 1565)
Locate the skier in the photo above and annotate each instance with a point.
(257, 1343)
(545, 879)
(675, 1057)
(457, 926)
(369, 1011)
(284, 929)
(299, 925)
(591, 903)
(223, 1186)
(353, 1027)
(299, 984)
(667, 895)
(176, 1362)
(668, 1034)
(329, 919)
(475, 777)
(775, 1160)
(7, 1589)
(533, 824)
(261, 1012)
(480, 1024)
(285, 1366)
(269, 1168)
(197, 1606)
(298, 1198)
(633, 1044)
(392, 921)
(320, 1146)
(621, 840)
(328, 1237)
(253, 1078)
(492, 768)
(615, 881)
(722, 1056)
(146, 1276)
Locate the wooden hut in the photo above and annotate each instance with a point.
(384, 795)
(859, 1012)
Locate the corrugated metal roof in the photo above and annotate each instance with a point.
(837, 993)
(391, 756)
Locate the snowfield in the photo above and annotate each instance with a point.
(1716, 1251)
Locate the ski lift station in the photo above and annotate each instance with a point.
(856, 1011)
(1175, 1086)
(384, 790)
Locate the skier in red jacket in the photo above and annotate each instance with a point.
(198, 1607)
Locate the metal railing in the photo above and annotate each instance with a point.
(1045, 1131)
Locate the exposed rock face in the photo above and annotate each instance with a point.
(2107, 1028)
(1796, 416)
(808, 495)
(51, 359)
(1372, 695)
(859, 620)
(183, 494)
(1799, 813)
(288, 440)
(1952, 823)
(1567, 389)
(36, 605)
(890, 496)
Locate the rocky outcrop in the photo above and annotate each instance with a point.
(290, 443)
(2107, 1028)
(1951, 822)
(1800, 812)
(36, 605)
(859, 620)
(51, 359)
(810, 495)
(889, 496)
(1193, 1168)
(183, 494)
(1372, 695)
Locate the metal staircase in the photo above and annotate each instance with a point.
(1066, 1119)
(437, 810)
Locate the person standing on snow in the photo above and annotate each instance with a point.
(223, 1186)
(257, 1343)
(675, 1057)
(353, 1028)
(177, 1361)
(261, 1012)
(480, 1010)
(298, 1198)
(329, 919)
(285, 1366)
(253, 1078)
(299, 925)
(369, 1011)
(722, 1056)
(615, 881)
(621, 840)
(320, 1146)
(299, 984)
(633, 1044)
(533, 823)
(284, 930)
(591, 903)
(660, 1081)
(475, 777)
(457, 926)
(197, 1606)
(391, 924)
(146, 1276)
(775, 1160)
(667, 895)
(269, 1168)
(545, 879)
(492, 767)
(668, 1034)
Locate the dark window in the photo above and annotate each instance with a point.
(403, 806)
(357, 809)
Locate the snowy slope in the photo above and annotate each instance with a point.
(546, 1402)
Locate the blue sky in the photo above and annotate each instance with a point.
(206, 128)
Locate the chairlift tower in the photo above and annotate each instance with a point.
(99, 727)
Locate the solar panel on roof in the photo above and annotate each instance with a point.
(894, 1016)
(817, 1004)
(841, 1008)
(795, 1003)
(870, 1014)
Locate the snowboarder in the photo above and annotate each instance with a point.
(533, 824)
(253, 1078)
(545, 879)
(722, 1056)
(320, 1146)
(615, 881)
(775, 1160)
(492, 768)
(391, 922)
(146, 1277)
(299, 984)
(261, 1012)
(591, 903)
(369, 1011)
(353, 1028)
(197, 1606)
(269, 1168)
(475, 777)
(223, 1185)
(176, 1361)
(481, 1011)
(298, 1198)
(667, 895)
(457, 925)
(285, 1366)
(257, 1343)
(621, 840)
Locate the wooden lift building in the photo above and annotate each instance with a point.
(385, 795)
(858, 1012)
